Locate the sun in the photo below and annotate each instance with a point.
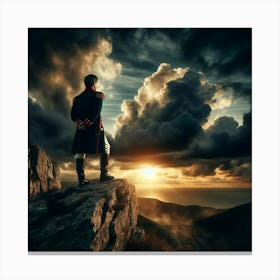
(148, 171)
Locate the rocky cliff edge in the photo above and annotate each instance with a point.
(96, 217)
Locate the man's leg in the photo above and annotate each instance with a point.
(80, 168)
(104, 161)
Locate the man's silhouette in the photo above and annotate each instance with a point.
(89, 137)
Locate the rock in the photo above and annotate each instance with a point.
(95, 217)
(138, 235)
(43, 172)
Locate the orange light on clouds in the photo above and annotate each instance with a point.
(145, 175)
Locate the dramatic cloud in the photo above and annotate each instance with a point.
(239, 89)
(241, 168)
(221, 52)
(143, 48)
(167, 113)
(49, 130)
(223, 139)
(57, 67)
(164, 123)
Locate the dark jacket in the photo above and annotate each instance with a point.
(90, 140)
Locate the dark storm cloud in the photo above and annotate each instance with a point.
(141, 51)
(240, 89)
(145, 48)
(54, 69)
(222, 52)
(168, 130)
(241, 168)
(238, 168)
(224, 139)
(50, 131)
(201, 168)
(151, 127)
(59, 59)
(43, 43)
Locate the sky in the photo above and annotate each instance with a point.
(178, 101)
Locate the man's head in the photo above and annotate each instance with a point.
(90, 80)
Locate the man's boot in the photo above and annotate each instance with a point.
(104, 176)
(80, 172)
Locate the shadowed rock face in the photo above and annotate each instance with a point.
(43, 172)
(99, 216)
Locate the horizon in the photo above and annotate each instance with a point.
(206, 196)
(216, 197)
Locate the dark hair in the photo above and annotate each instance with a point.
(89, 80)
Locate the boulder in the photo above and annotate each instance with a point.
(43, 172)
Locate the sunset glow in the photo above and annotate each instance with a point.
(148, 171)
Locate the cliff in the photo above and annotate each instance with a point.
(43, 172)
(96, 217)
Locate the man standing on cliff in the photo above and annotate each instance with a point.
(89, 137)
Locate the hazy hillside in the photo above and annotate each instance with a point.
(171, 227)
(170, 213)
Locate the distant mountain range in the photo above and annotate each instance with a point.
(172, 227)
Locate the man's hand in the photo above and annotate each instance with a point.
(83, 124)
(100, 95)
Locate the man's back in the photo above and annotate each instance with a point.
(86, 105)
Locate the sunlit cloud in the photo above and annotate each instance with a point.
(64, 79)
(153, 90)
(105, 67)
(154, 86)
(221, 100)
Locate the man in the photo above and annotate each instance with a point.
(89, 137)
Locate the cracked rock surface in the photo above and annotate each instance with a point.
(96, 217)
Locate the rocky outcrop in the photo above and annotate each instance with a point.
(43, 172)
(96, 217)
